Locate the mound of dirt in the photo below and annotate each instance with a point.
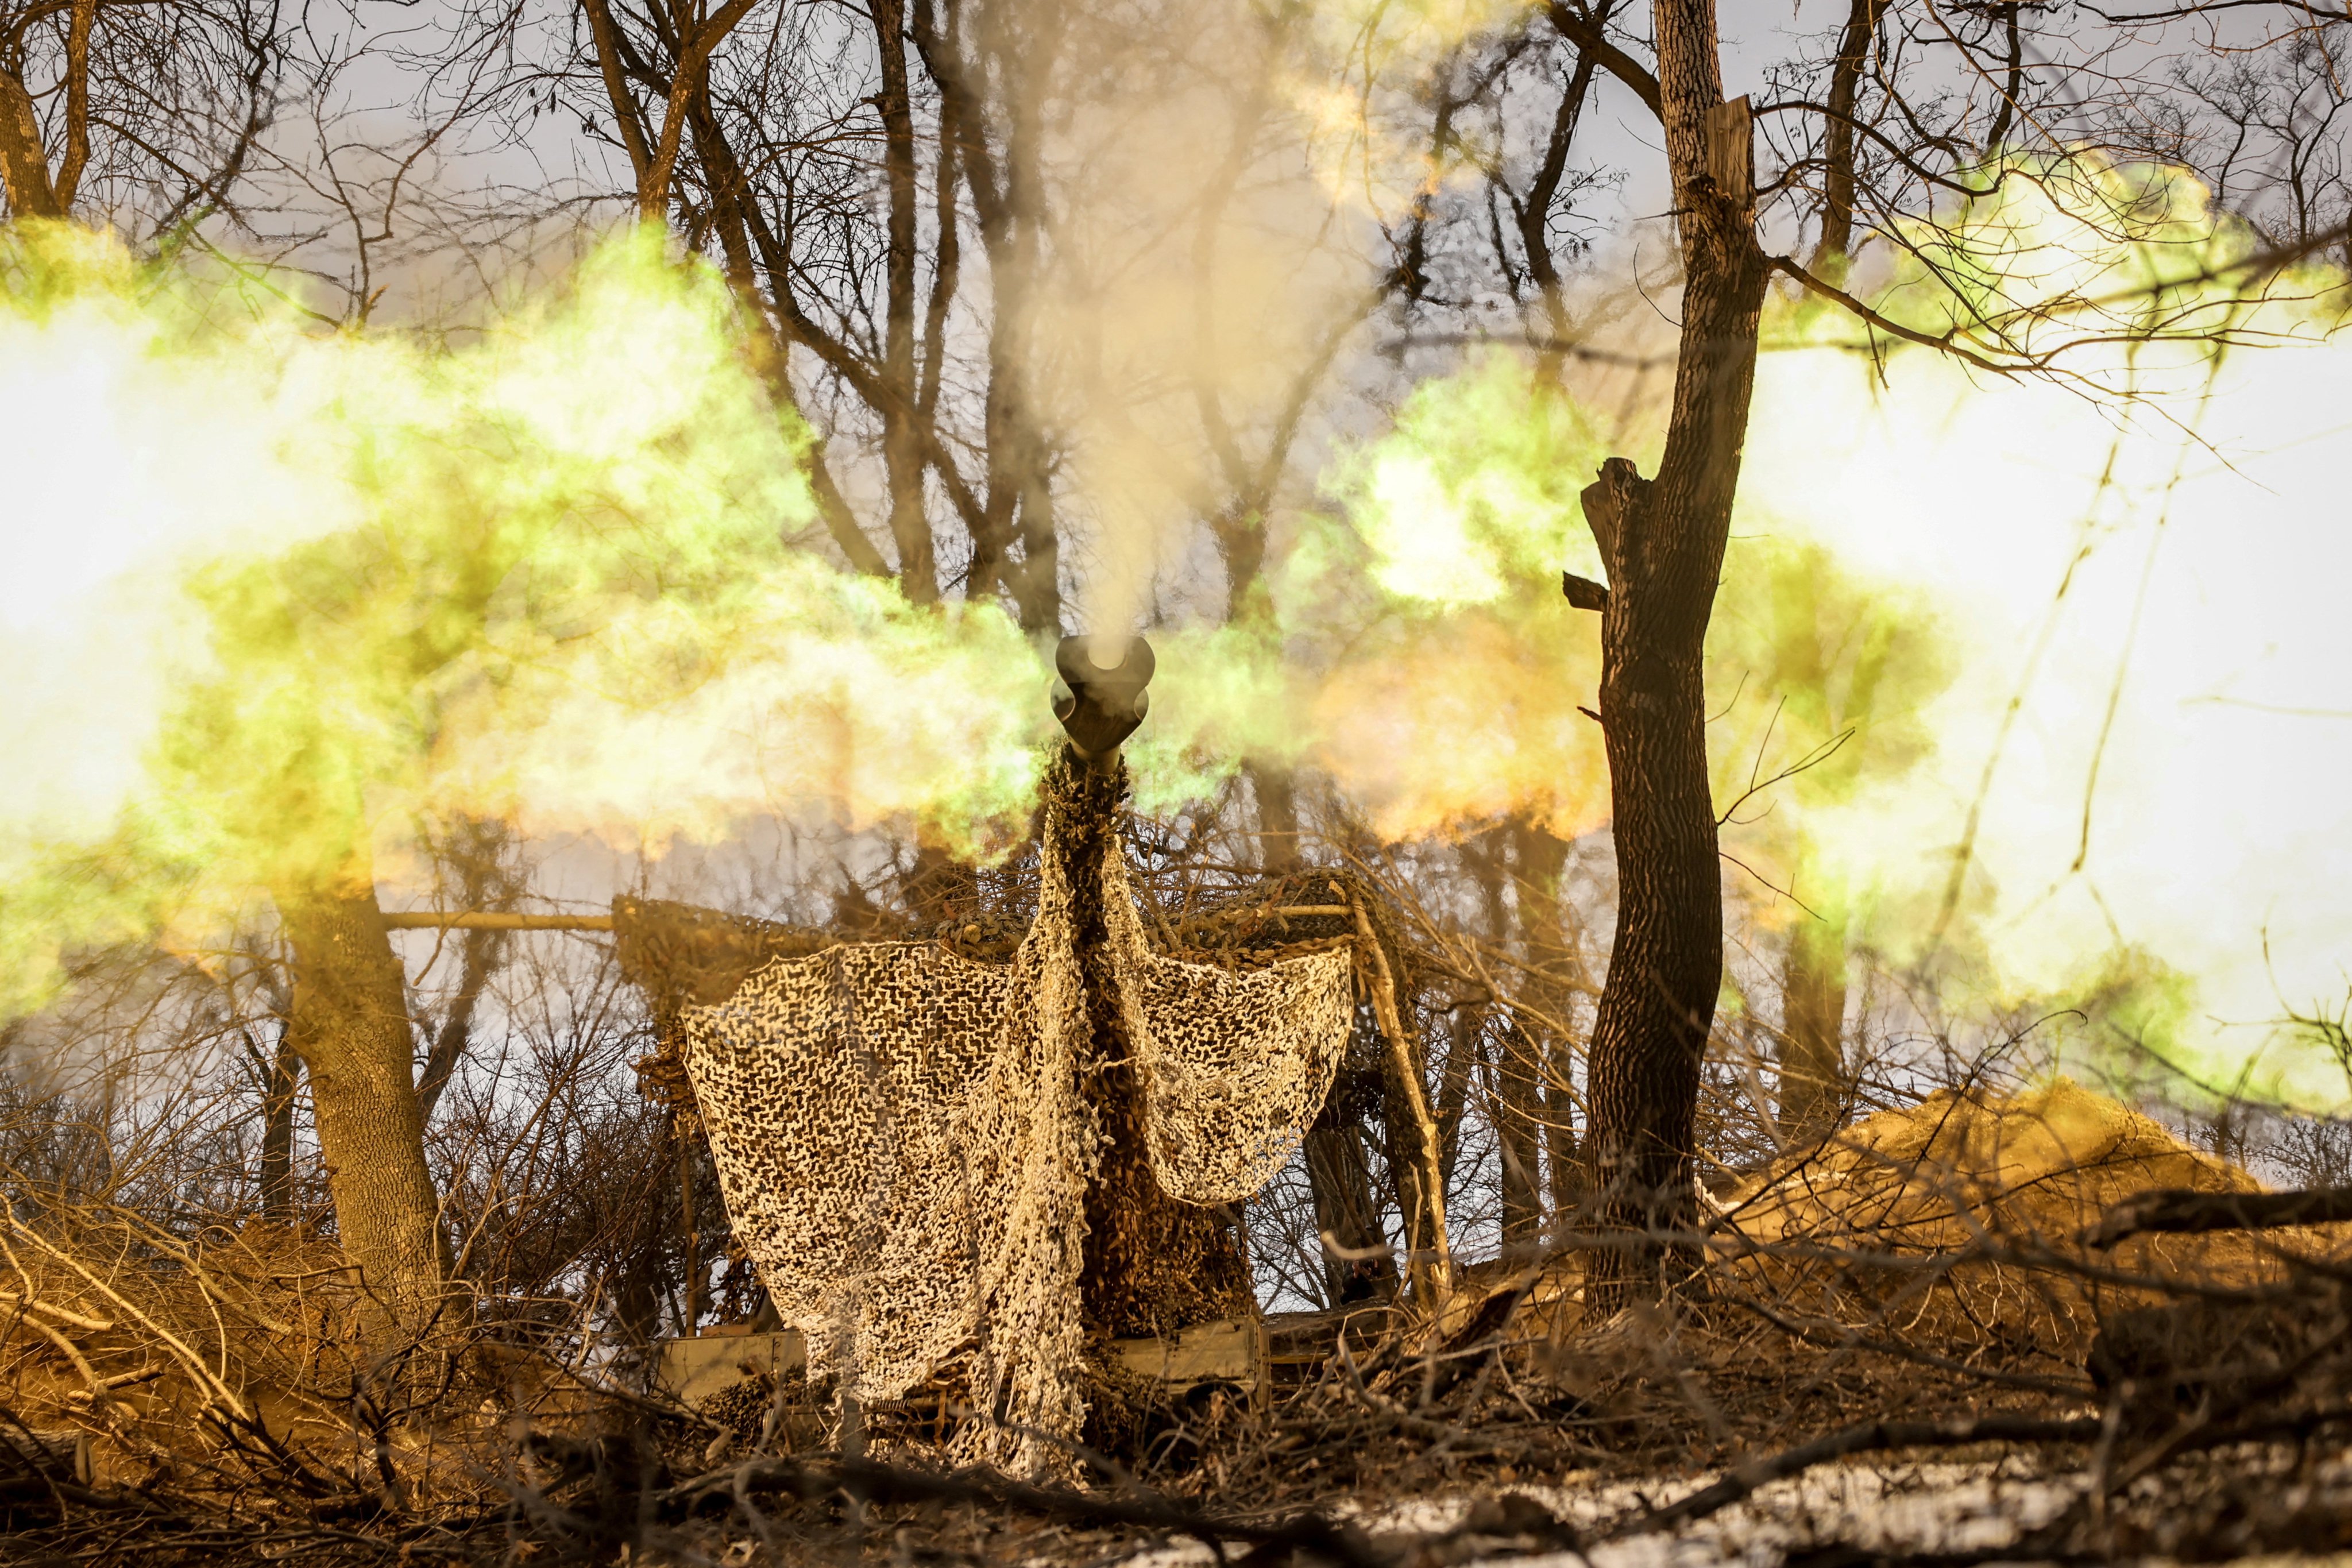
(1960, 1165)
(1964, 1215)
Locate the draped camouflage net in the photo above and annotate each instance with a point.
(905, 1146)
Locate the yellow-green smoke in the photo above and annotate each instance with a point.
(1823, 682)
(2135, 564)
(365, 583)
(279, 595)
(1414, 647)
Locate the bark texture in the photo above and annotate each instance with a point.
(1662, 544)
(349, 1027)
(24, 163)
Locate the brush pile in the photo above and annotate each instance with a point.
(1904, 1323)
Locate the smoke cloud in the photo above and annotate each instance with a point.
(283, 595)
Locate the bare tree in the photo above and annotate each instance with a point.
(350, 1024)
(147, 116)
(1899, 131)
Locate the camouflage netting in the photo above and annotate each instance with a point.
(904, 1136)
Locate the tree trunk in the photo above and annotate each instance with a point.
(1566, 1166)
(349, 1026)
(24, 162)
(1277, 816)
(902, 446)
(1838, 147)
(689, 1232)
(277, 1132)
(1534, 212)
(1338, 1176)
(1403, 1149)
(1513, 1075)
(1017, 47)
(1464, 1050)
(1519, 1116)
(1026, 40)
(736, 220)
(1414, 1148)
(1812, 1019)
(479, 952)
(1340, 1179)
(1662, 543)
(634, 1282)
(1552, 949)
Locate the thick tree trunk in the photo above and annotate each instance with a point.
(349, 1026)
(1812, 1020)
(1662, 543)
(23, 162)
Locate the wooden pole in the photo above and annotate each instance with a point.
(1438, 1270)
(688, 1223)
(498, 919)
(492, 920)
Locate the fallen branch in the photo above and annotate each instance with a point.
(101, 1389)
(1383, 986)
(1302, 1532)
(211, 1387)
(1871, 1436)
(2181, 1211)
(58, 1314)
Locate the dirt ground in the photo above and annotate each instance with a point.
(1903, 1348)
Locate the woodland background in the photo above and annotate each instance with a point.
(1115, 314)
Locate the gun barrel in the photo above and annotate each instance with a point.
(1100, 706)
